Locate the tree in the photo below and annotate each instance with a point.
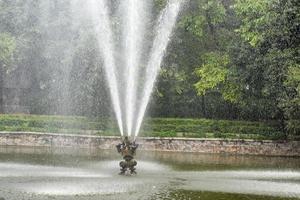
(272, 29)
(7, 47)
(213, 23)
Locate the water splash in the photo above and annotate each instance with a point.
(134, 27)
(100, 17)
(165, 26)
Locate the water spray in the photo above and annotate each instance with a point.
(164, 30)
(133, 111)
(101, 21)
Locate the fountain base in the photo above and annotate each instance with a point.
(128, 150)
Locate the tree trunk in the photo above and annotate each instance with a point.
(212, 30)
(203, 106)
(283, 123)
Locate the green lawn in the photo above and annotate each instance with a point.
(158, 127)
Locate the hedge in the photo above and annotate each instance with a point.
(158, 127)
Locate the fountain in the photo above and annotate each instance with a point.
(134, 13)
(132, 50)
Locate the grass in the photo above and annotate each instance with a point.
(153, 127)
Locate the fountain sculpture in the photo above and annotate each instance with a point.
(127, 149)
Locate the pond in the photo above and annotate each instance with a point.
(63, 174)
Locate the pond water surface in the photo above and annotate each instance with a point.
(65, 174)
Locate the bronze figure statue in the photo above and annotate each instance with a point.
(128, 150)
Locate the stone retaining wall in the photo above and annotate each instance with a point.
(245, 147)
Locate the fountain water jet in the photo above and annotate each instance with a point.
(100, 16)
(134, 27)
(134, 14)
(166, 24)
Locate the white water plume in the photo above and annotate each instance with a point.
(134, 15)
(100, 16)
(165, 27)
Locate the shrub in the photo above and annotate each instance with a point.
(156, 127)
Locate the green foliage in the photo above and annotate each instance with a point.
(293, 81)
(193, 24)
(154, 127)
(177, 78)
(256, 16)
(215, 12)
(212, 73)
(208, 24)
(7, 47)
(210, 13)
(291, 102)
(231, 92)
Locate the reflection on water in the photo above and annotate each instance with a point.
(199, 195)
(39, 173)
(191, 161)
